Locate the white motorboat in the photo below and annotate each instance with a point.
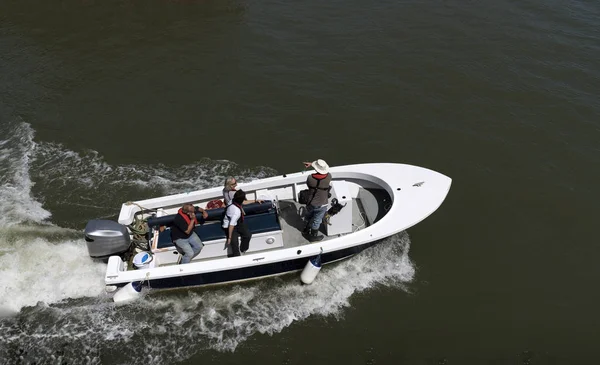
(379, 199)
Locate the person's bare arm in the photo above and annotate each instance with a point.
(204, 213)
(230, 233)
(252, 201)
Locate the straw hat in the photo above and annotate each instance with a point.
(321, 166)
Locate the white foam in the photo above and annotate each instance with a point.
(58, 165)
(75, 176)
(84, 179)
(174, 326)
(227, 317)
(17, 203)
(78, 179)
(33, 269)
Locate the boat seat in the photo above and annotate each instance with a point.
(257, 223)
(213, 214)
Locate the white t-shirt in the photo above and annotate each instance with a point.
(228, 196)
(235, 213)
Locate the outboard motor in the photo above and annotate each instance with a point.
(106, 238)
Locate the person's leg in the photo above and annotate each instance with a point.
(188, 252)
(196, 244)
(244, 232)
(308, 214)
(317, 216)
(235, 244)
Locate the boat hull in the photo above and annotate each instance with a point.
(253, 272)
(410, 194)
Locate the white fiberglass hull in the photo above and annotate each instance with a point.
(414, 193)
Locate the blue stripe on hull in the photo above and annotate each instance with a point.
(252, 272)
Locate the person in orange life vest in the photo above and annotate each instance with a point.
(235, 227)
(183, 235)
(230, 189)
(319, 186)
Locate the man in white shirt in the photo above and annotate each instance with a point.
(234, 226)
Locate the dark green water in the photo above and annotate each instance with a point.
(104, 102)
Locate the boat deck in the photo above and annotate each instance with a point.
(292, 223)
(366, 208)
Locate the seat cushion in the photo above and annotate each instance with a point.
(210, 232)
(214, 215)
(258, 223)
(265, 222)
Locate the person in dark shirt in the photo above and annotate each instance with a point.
(319, 186)
(183, 235)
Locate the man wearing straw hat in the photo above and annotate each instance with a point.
(318, 184)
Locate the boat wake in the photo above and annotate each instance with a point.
(45, 264)
(17, 204)
(51, 294)
(214, 318)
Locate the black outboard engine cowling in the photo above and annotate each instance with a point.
(106, 238)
